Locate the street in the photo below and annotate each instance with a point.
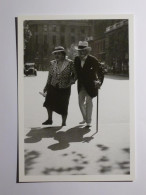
(75, 149)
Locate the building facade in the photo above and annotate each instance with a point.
(111, 47)
(45, 35)
(117, 47)
(108, 39)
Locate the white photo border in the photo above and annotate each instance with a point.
(25, 178)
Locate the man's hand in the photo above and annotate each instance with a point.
(97, 84)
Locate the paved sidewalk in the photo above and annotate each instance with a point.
(75, 149)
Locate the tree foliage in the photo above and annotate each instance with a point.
(27, 34)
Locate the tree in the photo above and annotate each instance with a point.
(27, 34)
(27, 38)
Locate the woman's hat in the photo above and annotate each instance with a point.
(82, 45)
(58, 49)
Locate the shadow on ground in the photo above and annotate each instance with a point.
(30, 160)
(36, 134)
(117, 77)
(74, 134)
(76, 169)
(80, 161)
(64, 138)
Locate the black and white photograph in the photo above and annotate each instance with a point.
(75, 98)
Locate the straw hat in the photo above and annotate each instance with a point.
(58, 49)
(82, 45)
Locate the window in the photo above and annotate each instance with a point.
(36, 39)
(54, 28)
(54, 40)
(45, 39)
(72, 39)
(45, 28)
(36, 28)
(89, 30)
(82, 30)
(62, 40)
(72, 30)
(62, 29)
(45, 44)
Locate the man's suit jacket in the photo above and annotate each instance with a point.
(92, 71)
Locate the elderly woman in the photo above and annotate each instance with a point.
(58, 87)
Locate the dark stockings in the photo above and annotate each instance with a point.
(49, 114)
(64, 117)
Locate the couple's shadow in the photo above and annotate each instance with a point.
(64, 138)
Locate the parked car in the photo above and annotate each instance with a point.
(29, 69)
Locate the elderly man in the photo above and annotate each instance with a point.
(90, 76)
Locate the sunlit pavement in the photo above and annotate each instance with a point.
(76, 149)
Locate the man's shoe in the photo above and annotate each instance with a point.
(82, 122)
(47, 122)
(88, 125)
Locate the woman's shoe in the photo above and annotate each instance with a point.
(63, 124)
(47, 122)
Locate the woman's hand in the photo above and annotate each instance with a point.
(43, 94)
(45, 90)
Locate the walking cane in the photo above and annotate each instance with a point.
(97, 113)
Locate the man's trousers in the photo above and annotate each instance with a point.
(86, 105)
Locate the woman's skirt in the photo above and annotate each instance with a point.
(57, 99)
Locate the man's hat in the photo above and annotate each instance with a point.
(58, 49)
(82, 45)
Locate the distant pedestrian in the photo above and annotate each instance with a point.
(90, 75)
(61, 76)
